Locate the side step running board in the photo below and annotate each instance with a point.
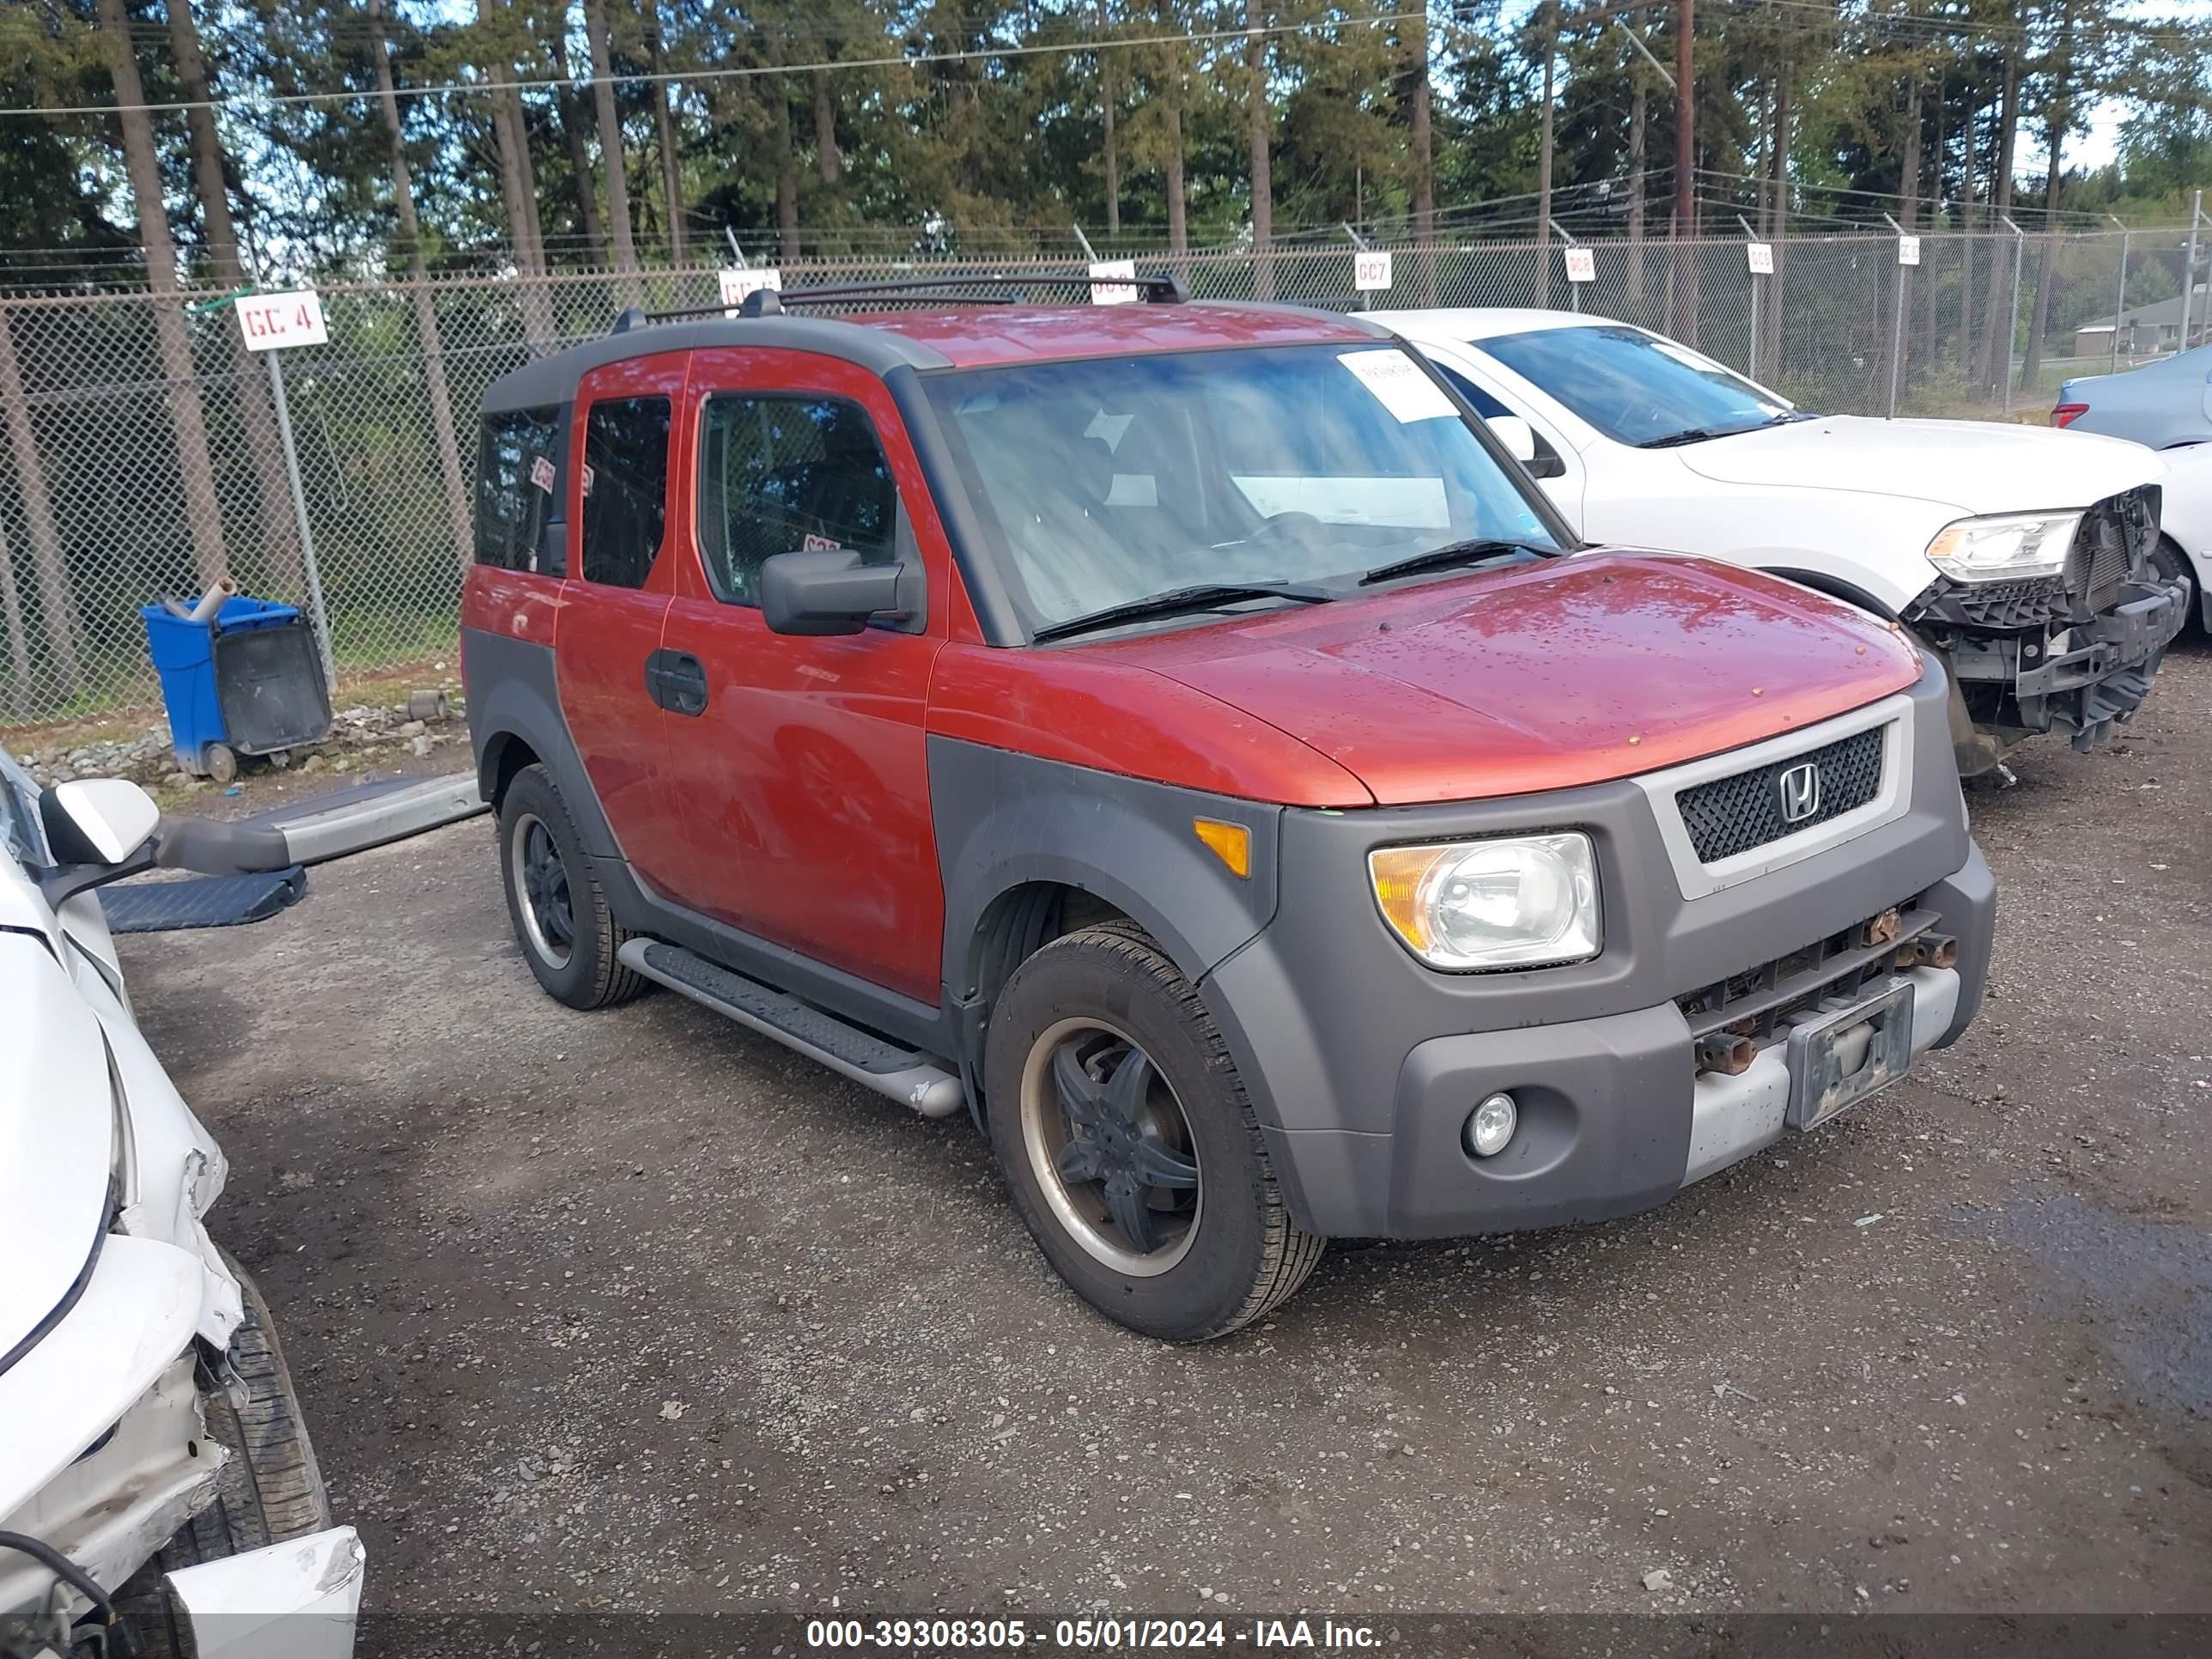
(911, 1078)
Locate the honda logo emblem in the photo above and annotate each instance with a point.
(1798, 791)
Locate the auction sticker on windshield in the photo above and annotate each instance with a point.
(1399, 384)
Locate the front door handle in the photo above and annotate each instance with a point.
(676, 681)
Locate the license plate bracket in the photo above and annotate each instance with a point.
(1839, 1056)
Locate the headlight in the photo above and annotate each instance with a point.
(2004, 548)
(1517, 903)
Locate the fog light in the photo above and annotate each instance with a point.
(1491, 1126)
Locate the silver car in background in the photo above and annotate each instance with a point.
(2161, 403)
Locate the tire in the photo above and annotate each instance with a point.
(2172, 564)
(271, 1490)
(1219, 1257)
(570, 940)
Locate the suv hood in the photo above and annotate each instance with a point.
(1570, 672)
(1967, 466)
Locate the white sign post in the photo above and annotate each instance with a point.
(1371, 269)
(1908, 255)
(1759, 261)
(1109, 292)
(736, 285)
(268, 323)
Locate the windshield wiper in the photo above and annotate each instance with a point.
(1698, 434)
(1202, 596)
(1481, 551)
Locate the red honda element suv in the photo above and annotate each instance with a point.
(1178, 735)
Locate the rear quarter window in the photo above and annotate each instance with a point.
(625, 488)
(517, 484)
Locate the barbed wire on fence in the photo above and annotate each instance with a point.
(108, 500)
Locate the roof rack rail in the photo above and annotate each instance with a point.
(989, 288)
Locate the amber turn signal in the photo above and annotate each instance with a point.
(1229, 842)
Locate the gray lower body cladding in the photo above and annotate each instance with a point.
(1364, 1063)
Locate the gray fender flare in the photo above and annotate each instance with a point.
(1005, 820)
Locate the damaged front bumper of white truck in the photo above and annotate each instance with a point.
(121, 1405)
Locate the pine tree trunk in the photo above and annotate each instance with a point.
(1178, 215)
(786, 177)
(280, 534)
(1999, 323)
(49, 564)
(613, 157)
(207, 146)
(827, 161)
(418, 292)
(664, 127)
(573, 119)
(2055, 139)
(1421, 140)
(1260, 139)
(1112, 159)
(202, 510)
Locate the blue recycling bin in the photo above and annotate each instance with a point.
(247, 681)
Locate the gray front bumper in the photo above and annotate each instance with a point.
(1363, 1063)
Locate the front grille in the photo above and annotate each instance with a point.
(1734, 814)
(2028, 603)
(1758, 1001)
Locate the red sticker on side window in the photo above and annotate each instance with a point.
(541, 474)
(813, 543)
(587, 480)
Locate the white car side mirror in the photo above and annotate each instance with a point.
(1517, 434)
(98, 820)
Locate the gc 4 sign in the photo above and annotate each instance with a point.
(268, 320)
(1760, 256)
(1908, 250)
(1582, 265)
(1371, 269)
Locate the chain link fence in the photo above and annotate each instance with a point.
(142, 455)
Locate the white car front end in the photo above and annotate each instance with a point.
(2021, 555)
(118, 1313)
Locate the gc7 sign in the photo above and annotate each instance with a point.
(268, 320)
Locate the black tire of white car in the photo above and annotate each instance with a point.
(269, 1490)
(591, 975)
(1244, 1255)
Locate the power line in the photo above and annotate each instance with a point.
(748, 72)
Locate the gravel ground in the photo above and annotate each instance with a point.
(635, 1310)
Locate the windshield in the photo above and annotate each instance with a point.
(1111, 480)
(1635, 388)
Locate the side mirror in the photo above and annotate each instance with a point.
(1517, 434)
(99, 820)
(832, 592)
